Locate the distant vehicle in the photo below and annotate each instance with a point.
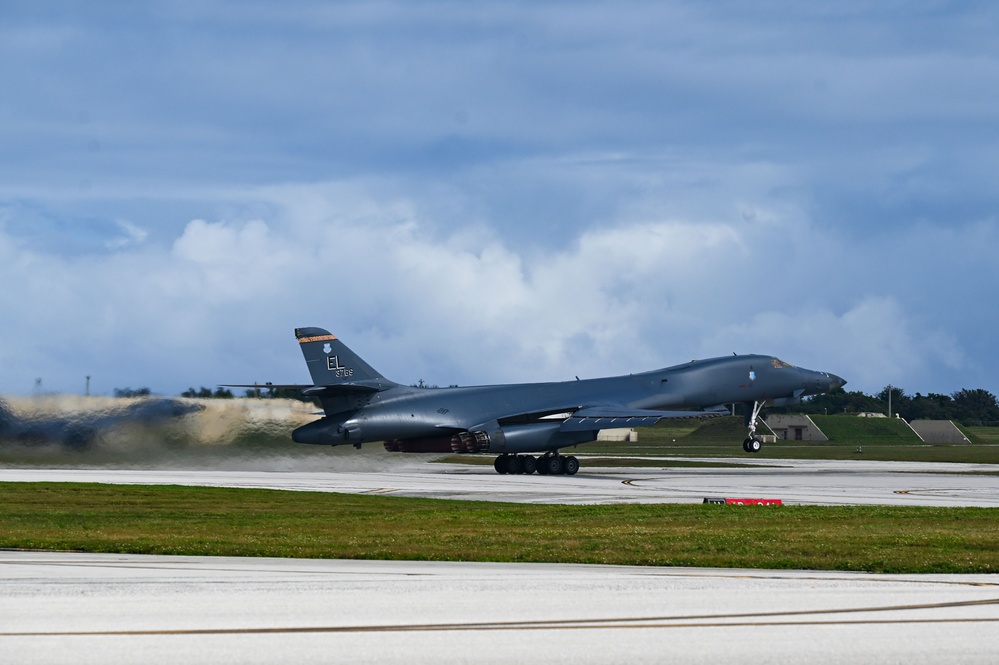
(77, 431)
(513, 421)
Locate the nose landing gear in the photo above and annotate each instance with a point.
(752, 444)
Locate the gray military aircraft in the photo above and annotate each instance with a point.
(513, 421)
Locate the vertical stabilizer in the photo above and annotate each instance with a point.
(331, 363)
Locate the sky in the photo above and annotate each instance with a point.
(486, 192)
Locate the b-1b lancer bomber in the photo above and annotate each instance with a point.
(517, 421)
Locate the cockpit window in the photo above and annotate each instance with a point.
(778, 363)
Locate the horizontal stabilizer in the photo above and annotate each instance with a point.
(268, 386)
(309, 390)
(363, 387)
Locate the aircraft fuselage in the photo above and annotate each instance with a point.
(530, 416)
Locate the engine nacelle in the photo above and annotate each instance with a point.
(327, 432)
(535, 438)
(491, 438)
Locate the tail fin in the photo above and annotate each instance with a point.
(331, 363)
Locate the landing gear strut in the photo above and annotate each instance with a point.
(752, 444)
(550, 464)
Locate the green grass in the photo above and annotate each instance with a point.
(854, 430)
(981, 435)
(238, 522)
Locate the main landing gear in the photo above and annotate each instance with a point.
(549, 464)
(752, 444)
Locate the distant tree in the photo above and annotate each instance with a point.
(128, 392)
(931, 407)
(837, 401)
(206, 393)
(975, 407)
(969, 407)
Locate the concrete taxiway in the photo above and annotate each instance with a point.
(793, 481)
(89, 608)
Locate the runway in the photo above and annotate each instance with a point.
(87, 608)
(792, 481)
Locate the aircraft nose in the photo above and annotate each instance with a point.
(836, 382)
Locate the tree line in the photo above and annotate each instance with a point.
(265, 391)
(970, 407)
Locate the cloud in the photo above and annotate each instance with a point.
(458, 306)
(130, 235)
(873, 343)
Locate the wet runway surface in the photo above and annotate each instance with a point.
(793, 481)
(89, 608)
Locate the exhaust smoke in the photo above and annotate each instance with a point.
(172, 433)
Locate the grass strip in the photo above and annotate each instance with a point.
(244, 522)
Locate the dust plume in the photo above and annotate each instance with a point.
(174, 433)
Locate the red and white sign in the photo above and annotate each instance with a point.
(754, 502)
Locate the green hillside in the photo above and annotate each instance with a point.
(981, 435)
(851, 429)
